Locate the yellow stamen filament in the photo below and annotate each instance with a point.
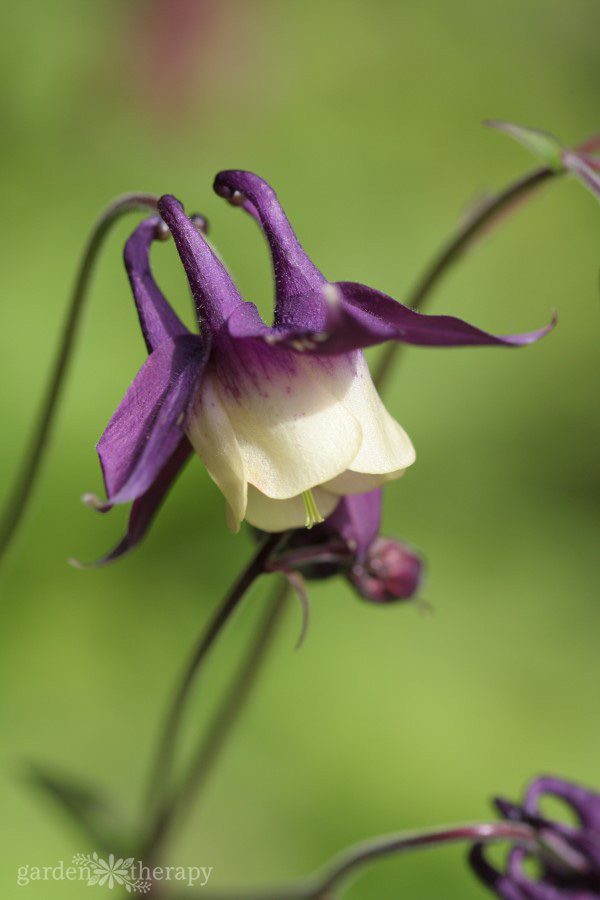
(313, 516)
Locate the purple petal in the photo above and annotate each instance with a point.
(391, 572)
(377, 318)
(145, 507)
(584, 170)
(357, 519)
(502, 885)
(297, 279)
(157, 319)
(584, 802)
(149, 424)
(215, 294)
(355, 316)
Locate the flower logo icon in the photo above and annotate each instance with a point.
(114, 873)
(111, 872)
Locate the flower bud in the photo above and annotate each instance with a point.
(391, 571)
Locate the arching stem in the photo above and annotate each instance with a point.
(451, 252)
(38, 443)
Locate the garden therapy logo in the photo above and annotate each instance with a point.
(112, 873)
(131, 874)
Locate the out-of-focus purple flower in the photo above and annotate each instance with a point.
(285, 417)
(381, 569)
(176, 53)
(568, 856)
(579, 162)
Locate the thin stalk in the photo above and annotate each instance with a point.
(219, 730)
(26, 478)
(323, 884)
(451, 252)
(161, 769)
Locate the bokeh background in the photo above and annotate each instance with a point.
(367, 119)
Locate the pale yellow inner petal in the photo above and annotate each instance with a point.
(386, 449)
(270, 428)
(279, 515)
(214, 440)
(291, 429)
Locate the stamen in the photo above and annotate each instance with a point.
(313, 516)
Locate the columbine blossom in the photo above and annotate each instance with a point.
(285, 417)
(348, 543)
(568, 855)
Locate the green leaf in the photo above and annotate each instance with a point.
(85, 805)
(542, 144)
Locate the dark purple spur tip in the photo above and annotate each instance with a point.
(295, 275)
(242, 188)
(508, 810)
(223, 190)
(161, 231)
(200, 222)
(236, 198)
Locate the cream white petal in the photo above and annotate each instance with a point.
(279, 515)
(214, 440)
(386, 449)
(292, 430)
(350, 482)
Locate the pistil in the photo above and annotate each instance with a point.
(313, 516)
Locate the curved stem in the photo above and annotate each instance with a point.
(162, 766)
(220, 728)
(456, 246)
(472, 228)
(323, 884)
(355, 858)
(30, 467)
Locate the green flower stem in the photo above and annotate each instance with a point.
(210, 746)
(26, 479)
(161, 770)
(453, 250)
(348, 864)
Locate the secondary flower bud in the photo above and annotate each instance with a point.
(347, 543)
(391, 571)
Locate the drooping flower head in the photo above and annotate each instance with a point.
(568, 855)
(285, 417)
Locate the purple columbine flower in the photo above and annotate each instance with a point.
(285, 417)
(381, 569)
(568, 855)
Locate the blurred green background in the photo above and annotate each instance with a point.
(366, 118)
